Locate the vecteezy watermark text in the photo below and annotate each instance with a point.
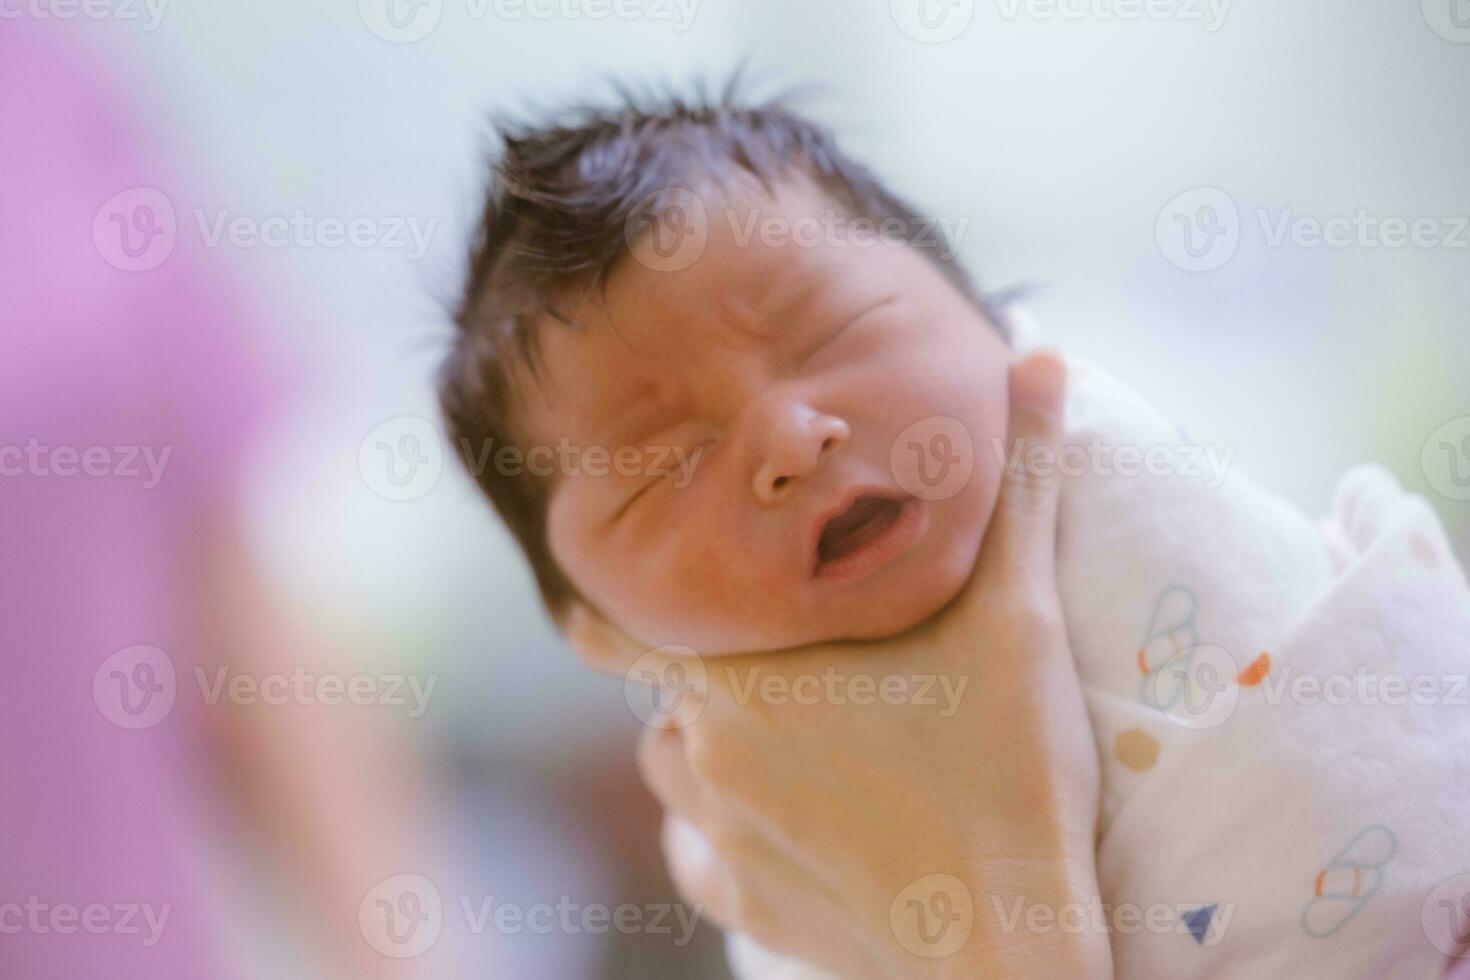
(569, 459)
(1209, 464)
(1209, 13)
(568, 917)
(136, 687)
(1364, 687)
(301, 229)
(1207, 923)
(305, 687)
(669, 230)
(403, 458)
(137, 229)
(836, 687)
(834, 228)
(667, 688)
(407, 21)
(1201, 229)
(43, 918)
(145, 463)
(119, 10)
(404, 915)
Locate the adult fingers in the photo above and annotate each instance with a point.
(666, 687)
(699, 875)
(598, 643)
(760, 895)
(662, 763)
(1020, 544)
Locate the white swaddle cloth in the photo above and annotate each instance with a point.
(1280, 707)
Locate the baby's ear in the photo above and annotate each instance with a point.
(598, 643)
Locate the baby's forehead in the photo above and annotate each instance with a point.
(647, 329)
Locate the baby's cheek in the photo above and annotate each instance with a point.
(991, 457)
(967, 515)
(690, 587)
(989, 412)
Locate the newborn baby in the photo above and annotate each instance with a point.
(722, 287)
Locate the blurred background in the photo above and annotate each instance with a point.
(233, 230)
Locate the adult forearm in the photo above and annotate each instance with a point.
(1044, 923)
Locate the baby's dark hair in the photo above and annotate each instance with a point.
(562, 192)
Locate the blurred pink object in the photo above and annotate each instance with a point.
(102, 547)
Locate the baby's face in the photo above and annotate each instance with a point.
(787, 373)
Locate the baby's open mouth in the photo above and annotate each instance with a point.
(862, 523)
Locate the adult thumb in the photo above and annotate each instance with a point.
(1022, 534)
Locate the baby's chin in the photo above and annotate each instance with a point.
(872, 613)
(931, 578)
(913, 597)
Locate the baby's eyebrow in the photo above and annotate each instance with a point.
(646, 406)
(778, 298)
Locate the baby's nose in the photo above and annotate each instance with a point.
(796, 444)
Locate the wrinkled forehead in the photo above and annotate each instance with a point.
(654, 330)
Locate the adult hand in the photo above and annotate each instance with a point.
(893, 838)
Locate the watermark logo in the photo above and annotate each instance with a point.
(135, 687)
(401, 21)
(404, 915)
(933, 458)
(668, 230)
(1446, 459)
(304, 687)
(302, 230)
(1450, 19)
(932, 21)
(667, 687)
(135, 230)
(402, 458)
(401, 916)
(1199, 230)
(933, 916)
(1446, 916)
(1194, 688)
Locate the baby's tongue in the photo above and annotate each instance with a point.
(867, 518)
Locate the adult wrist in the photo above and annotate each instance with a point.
(1021, 920)
(1046, 920)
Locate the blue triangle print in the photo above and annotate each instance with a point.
(1198, 922)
